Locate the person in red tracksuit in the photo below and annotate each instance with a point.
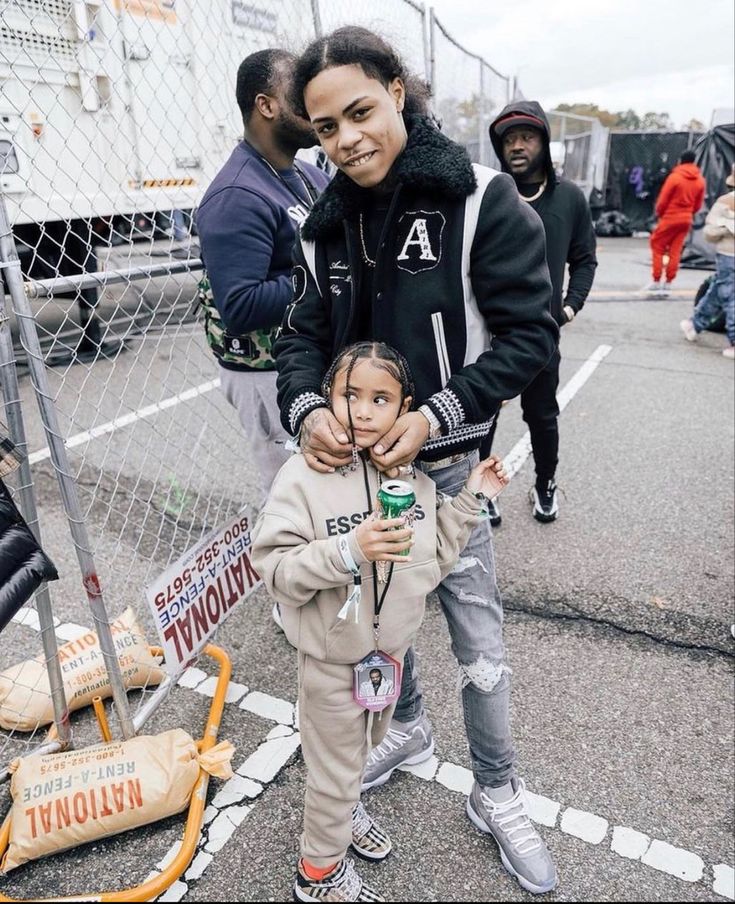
(680, 198)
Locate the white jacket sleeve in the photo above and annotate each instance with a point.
(455, 519)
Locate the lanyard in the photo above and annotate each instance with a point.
(379, 599)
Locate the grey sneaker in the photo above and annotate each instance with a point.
(653, 290)
(398, 748)
(342, 884)
(522, 851)
(369, 841)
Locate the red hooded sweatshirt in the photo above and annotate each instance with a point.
(681, 195)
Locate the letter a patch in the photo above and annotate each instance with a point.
(420, 240)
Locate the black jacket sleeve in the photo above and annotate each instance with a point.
(23, 564)
(512, 286)
(582, 257)
(302, 349)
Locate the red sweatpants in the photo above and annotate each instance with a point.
(668, 238)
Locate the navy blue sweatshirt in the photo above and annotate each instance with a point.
(247, 223)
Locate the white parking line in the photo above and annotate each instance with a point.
(517, 456)
(126, 419)
(226, 811)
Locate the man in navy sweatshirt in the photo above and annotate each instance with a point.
(520, 136)
(247, 223)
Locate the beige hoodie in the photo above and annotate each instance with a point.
(719, 227)
(295, 551)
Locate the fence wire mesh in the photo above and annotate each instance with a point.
(468, 93)
(115, 115)
(579, 149)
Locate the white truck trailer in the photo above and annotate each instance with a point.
(113, 110)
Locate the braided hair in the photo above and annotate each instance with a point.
(383, 357)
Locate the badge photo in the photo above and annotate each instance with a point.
(377, 681)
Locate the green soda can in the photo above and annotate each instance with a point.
(396, 498)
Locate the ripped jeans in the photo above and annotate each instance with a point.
(471, 602)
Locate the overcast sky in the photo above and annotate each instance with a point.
(662, 55)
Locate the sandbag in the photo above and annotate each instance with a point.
(25, 695)
(61, 800)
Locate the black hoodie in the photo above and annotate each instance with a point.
(563, 208)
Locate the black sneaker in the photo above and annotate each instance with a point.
(545, 505)
(494, 513)
(342, 884)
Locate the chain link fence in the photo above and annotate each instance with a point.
(579, 149)
(468, 93)
(115, 115)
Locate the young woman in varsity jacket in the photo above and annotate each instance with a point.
(412, 245)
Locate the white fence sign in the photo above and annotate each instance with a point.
(192, 598)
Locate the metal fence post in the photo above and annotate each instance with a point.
(317, 17)
(14, 413)
(481, 117)
(426, 28)
(432, 52)
(67, 486)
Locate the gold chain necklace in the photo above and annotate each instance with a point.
(368, 260)
(537, 195)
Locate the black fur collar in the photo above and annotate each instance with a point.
(429, 163)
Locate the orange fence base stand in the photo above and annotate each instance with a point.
(158, 884)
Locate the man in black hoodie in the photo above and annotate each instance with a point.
(520, 136)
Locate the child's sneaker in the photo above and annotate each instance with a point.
(369, 841)
(342, 884)
(729, 352)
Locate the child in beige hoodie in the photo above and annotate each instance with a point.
(315, 544)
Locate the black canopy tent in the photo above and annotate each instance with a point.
(715, 152)
(638, 163)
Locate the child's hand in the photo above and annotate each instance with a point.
(381, 541)
(488, 478)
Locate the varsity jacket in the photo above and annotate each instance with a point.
(295, 550)
(460, 288)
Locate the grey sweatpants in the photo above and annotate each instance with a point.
(335, 748)
(253, 395)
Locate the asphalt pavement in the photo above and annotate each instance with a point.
(618, 632)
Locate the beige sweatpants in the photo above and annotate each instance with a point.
(335, 747)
